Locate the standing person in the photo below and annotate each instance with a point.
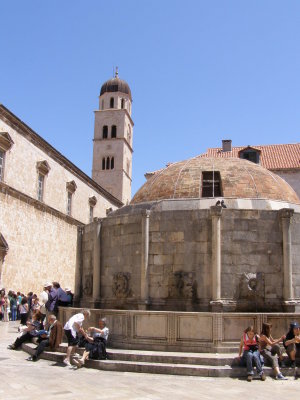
(70, 297)
(51, 306)
(62, 297)
(292, 343)
(2, 302)
(52, 339)
(271, 350)
(13, 307)
(23, 309)
(95, 348)
(19, 299)
(44, 299)
(6, 309)
(29, 300)
(249, 347)
(72, 328)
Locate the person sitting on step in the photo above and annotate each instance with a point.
(249, 346)
(52, 338)
(270, 349)
(34, 328)
(292, 343)
(95, 348)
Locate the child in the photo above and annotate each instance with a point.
(249, 347)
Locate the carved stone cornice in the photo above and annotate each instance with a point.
(43, 167)
(216, 211)
(6, 141)
(286, 212)
(92, 201)
(71, 186)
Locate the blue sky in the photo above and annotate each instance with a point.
(199, 71)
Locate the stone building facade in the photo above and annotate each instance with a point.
(178, 247)
(44, 200)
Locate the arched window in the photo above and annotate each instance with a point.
(105, 131)
(102, 104)
(107, 163)
(122, 103)
(112, 163)
(113, 131)
(103, 163)
(112, 102)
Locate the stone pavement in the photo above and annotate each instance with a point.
(22, 380)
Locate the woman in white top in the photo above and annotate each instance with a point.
(72, 328)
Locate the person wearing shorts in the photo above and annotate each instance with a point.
(72, 328)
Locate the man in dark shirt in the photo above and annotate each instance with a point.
(292, 343)
(51, 305)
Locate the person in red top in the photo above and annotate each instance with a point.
(249, 347)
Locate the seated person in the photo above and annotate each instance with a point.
(251, 355)
(270, 349)
(292, 343)
(52, 338)
(34, 328)
(95, 348)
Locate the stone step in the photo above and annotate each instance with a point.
(157, 367)
(166, 357)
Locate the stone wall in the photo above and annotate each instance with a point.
(181, 331)
(42, 246)
(179, 266)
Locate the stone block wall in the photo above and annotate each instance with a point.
(42, 246)
(252, 251)
(179, 259)
(179, 271)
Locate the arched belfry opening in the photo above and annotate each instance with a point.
(113, 139)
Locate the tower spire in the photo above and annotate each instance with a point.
(117, 72)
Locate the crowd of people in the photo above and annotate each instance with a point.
(49, 334)
(39, 323)
(256, 349)
(17, 306)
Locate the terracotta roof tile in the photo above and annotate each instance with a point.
(272, 157)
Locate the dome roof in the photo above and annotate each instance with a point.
(115, 85)
(239, 179)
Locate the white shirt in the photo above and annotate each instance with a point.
(78, 318)
(104, 334)
(44, 299)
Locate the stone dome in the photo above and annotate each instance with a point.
(115, 85)
(233, 178)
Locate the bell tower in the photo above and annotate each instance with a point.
(112, 153)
